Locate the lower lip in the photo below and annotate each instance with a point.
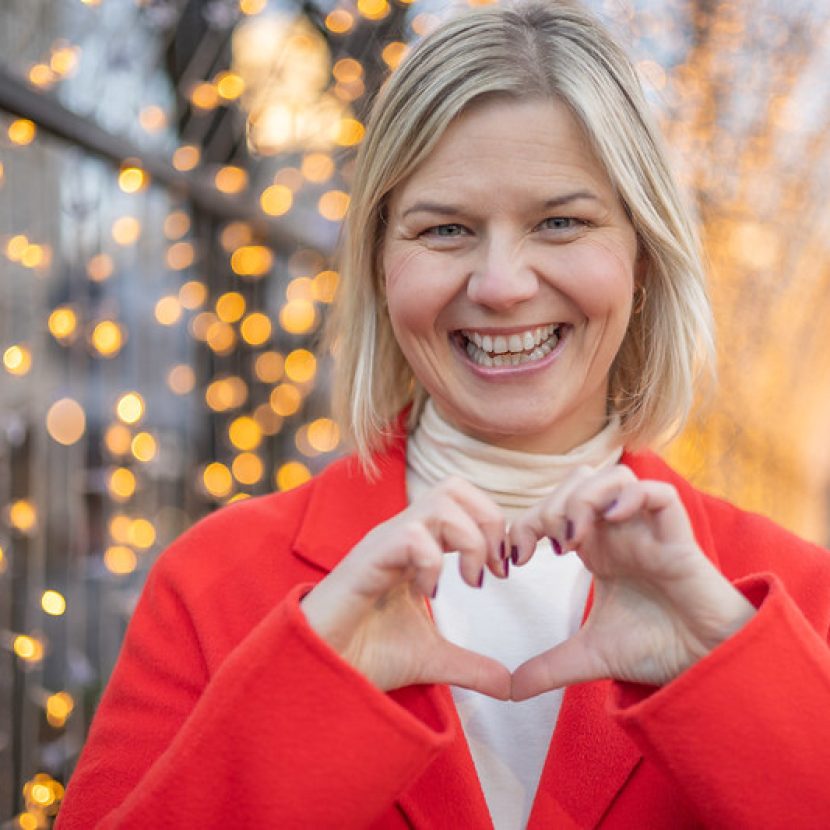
(506, 372)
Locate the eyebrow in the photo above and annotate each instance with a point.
(548, 204)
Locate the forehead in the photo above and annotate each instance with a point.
(499, 146)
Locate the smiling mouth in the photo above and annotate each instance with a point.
(512, 349)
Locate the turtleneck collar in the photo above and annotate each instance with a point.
(513, 479)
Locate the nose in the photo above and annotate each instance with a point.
(501, 278)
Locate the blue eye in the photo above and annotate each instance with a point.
(561, 223)
(446, 231)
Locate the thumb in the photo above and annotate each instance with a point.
(459, 666)
(568, 663)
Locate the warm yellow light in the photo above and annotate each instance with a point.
(230, 307)
(107, 338)
(17, 359)
(53, 602)
(168, 310)
(121, 484)
(27, 820)
(201, 323)
(269, 366)
(130, 407)
(255, 329)
(226, 393)
(119, 559)
(152, 118)
(126, 230)
(4, 562)
(141, 534)
(119, 528)
(247, 468)
(176, 224)
(244, 433)
(235, 234)
(393, 53)
(298, 316)
(231, 179)
(252, 6)
(333, 205)
(22, 131)
(181, 379)
(323, 435)
(16, 247)
(64, 60)
(59, 707)
(186, 157)
(41, 75)
(28, 648)
(373, 9)
(229, 85)
(132, 179)
(269, 422)
(221, 337)
(302, 444)
(252, 260)
(117, 439)
(100, 267)
(62, 323)
(276, 200)
(204, 96)
(285, 399)
(2, 173)
(66, 421)
(180, 256)
(292, 474)
(317, 167)
(34, 256)
(339, 21)
(300, 365)
(349, 132)
(324, 286)
(347, 70)
(300, 288)
(289, 177)
(193, 294)
(144, 447)
(217, 480)
(23, 515)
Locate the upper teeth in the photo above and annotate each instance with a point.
(516, 343)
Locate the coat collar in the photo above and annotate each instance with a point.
(590, 758)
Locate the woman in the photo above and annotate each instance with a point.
(522, 310)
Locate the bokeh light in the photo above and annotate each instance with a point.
(66, 421)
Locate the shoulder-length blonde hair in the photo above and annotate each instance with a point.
(525, 50)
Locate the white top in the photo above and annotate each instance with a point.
(511, 620)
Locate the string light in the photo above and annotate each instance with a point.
(66, 421)
(130, 407)
(23, 516)
(22, 132)
(276, 200)
(339, 21)
(53, 603)
(186, 157)
(17, 359)
(291, 474)
(298, 316)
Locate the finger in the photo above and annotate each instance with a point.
(548, 518)
(657, 498)
(458, 666)
(456, 530)
(563, 665)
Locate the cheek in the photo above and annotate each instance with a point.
(408, 292)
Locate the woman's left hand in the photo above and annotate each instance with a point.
(659, 604)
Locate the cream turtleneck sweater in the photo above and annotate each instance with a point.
(511, 620)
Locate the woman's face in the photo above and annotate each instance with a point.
(509, 266)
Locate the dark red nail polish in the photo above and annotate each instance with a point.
(610, 507)
(506, 564)
(569, 530)
(480, 579)
(434, 591)
(514, 554)
(502, 550)
(557, 548)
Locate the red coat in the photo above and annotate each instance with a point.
(226, 711)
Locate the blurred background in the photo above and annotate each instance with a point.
(173, 174)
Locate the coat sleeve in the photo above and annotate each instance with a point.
(283, 734)
(745, 732)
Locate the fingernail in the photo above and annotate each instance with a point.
(506, 564)
(569, 530)
(480, 579)
(609, 508)
(502, 550)
(514, 554)
(557, 548)
(434, 591)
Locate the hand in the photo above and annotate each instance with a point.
(371, 607)
(659, 604)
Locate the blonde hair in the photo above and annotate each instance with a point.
(545, 50)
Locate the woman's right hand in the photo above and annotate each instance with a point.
(371, 607)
